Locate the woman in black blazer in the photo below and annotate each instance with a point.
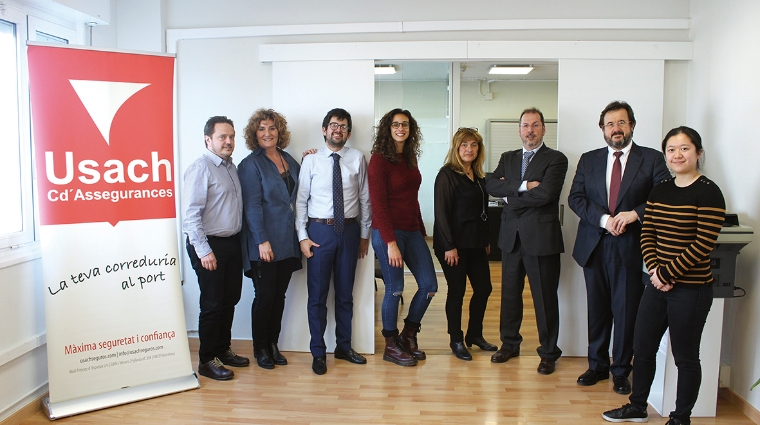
(460, 238)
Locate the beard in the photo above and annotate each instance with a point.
(619, 144)
(336, 144)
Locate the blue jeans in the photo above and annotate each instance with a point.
(684, 310)
(416, 256)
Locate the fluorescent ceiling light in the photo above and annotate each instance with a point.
(385, 69)
(502, 69)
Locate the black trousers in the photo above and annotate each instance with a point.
(543, 277)
(220, 292)
(684, 311)
(613, 294)
(270, 281)
(473, 263)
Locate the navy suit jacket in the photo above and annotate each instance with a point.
(535, 213)
(267, 212)
(588, 199)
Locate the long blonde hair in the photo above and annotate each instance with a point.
(454, 161)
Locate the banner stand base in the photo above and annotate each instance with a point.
(114, 398)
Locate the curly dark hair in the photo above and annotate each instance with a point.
(383, 141)
(283, 135)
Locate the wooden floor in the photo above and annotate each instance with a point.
(440, 390)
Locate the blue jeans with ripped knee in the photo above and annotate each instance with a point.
(416, 256)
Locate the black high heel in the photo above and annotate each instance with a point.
(481, 343)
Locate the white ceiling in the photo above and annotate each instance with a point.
(439, 71)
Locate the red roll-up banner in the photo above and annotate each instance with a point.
(106, 190)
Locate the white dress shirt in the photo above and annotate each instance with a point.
(315, 191)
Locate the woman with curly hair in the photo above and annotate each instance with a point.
(271, 253)
(398, 233)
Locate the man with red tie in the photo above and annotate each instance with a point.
(609, 193)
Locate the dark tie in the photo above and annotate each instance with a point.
(617, 175)
(526, 160)
(337, 194)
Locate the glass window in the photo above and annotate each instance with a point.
(11, 213)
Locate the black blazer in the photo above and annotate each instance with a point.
(588, 199)
(535, 213)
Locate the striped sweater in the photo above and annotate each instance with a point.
(681, 225)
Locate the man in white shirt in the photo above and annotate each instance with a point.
(333, 237)
(213, 206)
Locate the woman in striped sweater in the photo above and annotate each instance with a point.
(682, 221)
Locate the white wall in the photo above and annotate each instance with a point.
(230, 13)
(585, 88)
(305, 92)
(23, 359)
(723, 106)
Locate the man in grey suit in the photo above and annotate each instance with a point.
(609, 194)
(530, 181)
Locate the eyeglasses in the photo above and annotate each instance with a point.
(611, 125)
(535, 126)
(396, 124)
(334, 126)
(472, 129)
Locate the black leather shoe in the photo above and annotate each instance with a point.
(591, 377)
(621, 385)
(546, 367)
(460, 351)
(229, 358)
(263, 359)
(319, 365)
(350, 355)
(504, 354)
(277, 357)
(480, 342)
(215, 370)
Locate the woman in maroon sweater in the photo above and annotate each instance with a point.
(398, 233)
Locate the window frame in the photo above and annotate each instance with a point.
(24, 246)
(15, 240)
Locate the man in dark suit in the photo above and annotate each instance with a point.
(530, 181)
(609, 194)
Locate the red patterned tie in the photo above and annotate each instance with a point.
(617, 175)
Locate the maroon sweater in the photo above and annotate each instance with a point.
(393, 191)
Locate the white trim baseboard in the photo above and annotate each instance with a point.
(22, 348)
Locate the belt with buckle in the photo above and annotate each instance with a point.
(331, 221)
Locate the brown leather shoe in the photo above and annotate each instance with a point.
(504, 354)
(546, 367)
(408, 340)
(395, 353)
(215, 370)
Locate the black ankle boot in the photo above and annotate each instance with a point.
(460, 351)
(263, 359)
(277, 357)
